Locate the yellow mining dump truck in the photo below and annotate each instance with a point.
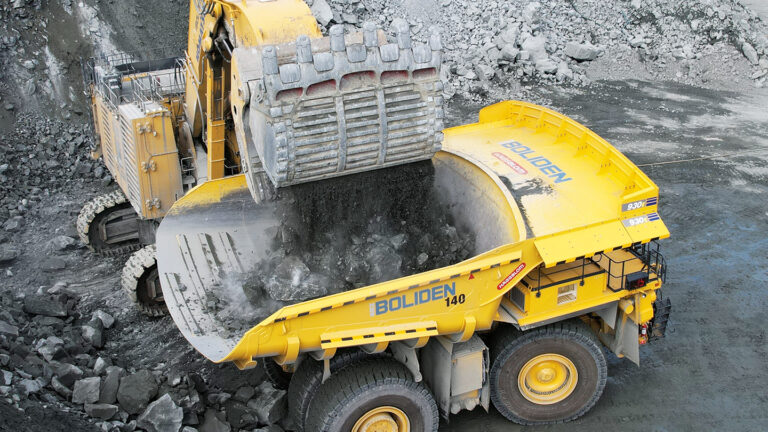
(309, 212)
(566, 261)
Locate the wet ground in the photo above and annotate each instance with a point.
(709, 372)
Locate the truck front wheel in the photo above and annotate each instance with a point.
(551, 374)
(373, 395)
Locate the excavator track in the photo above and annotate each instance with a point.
(108, 209)
(141, 282)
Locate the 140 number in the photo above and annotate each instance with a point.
(459, 299)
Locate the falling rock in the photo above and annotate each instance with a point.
(212, 423)
(322, 11)
(162, 415)
(750, 53)
(86, 391)
(101, 411)
(581, 51)
(47, 305)
(270, 405)
(136, 391)
(292, 281)
(384, 263)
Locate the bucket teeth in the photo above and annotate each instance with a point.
(303, 49)
(370, 38)
(269, 60)
(403, 34)
(337, 38)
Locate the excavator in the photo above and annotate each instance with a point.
(265, 134)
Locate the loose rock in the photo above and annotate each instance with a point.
(136, 391)
(161, 415)
(86, 391)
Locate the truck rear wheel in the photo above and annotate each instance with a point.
(309, 376)
(551, 374)
(141, 282)
(108, 224)
(373, 395)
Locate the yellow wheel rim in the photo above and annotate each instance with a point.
(547, 379)
(383, 419)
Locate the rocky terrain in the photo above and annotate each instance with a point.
(75, 355)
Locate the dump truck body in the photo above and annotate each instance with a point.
(582, 216)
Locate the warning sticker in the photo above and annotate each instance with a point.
(511, 276)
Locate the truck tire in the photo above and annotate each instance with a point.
(141, 282)
(308, 377)
(551, 374)
(376, 394)
(108, 224)
(276, 375)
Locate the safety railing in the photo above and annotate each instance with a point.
(142, 77)
(621, 272)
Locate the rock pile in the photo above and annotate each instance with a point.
(555, 41)
(347, 233)
(51, 352)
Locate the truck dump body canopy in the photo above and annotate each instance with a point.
(577, 193)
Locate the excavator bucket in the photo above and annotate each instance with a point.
(325, 107)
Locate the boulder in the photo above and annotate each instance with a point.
(212, 423)
(136, 391)
(110, 385)
(93, 332)
(750, 53)
(322, 12)
(106, 319)
(581, 51)
(86, 391)
(162, 415)
(44, 304)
